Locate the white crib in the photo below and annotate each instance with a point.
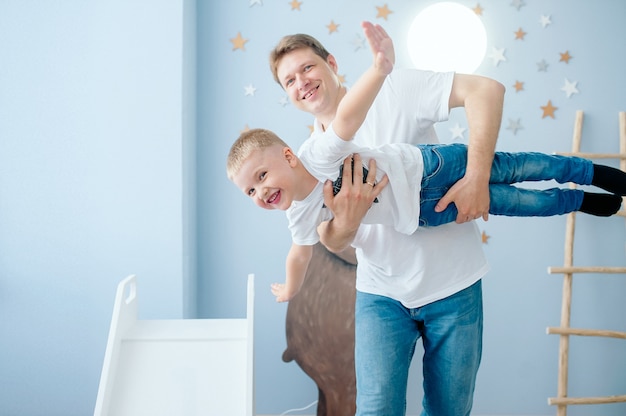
(176, 367)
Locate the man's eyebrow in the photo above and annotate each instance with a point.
(299, 68)
(286, 77)
(289, 74)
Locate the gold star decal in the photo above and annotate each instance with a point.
(485, 237)
(311, 128)
(342, 79)
(239, 42)
(478, 10)
(383, 12)
(245, 129)
(548, 110)
(519, 86)
(565, 57)
(520, 34)
(332, 26)
(295, 4)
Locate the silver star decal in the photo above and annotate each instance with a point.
(518, 4)
(514, 125)
(542, 66)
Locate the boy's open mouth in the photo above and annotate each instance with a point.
(274, 197)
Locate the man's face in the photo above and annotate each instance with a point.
(310, 82)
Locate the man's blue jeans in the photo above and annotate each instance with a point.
(386, 334)
(444, 165)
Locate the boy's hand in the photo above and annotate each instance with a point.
(381, 46)
(280, 291)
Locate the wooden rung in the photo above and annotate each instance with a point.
(588, 269)
(562, 401)
(586, 400)
(594, 155)
(586, 332)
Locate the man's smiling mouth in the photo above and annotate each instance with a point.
(310, 93)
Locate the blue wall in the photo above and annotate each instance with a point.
(90, 187)
(101, 176)
(519, 370)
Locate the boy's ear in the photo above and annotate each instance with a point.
(290, 157)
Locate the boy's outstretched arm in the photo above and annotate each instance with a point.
(297, 263)
(356, 103)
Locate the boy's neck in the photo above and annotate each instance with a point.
(306, 182)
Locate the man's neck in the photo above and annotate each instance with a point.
(328, 117)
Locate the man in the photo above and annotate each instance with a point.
(408, 286)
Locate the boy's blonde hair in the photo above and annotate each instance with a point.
(291, 43)
(247, 143)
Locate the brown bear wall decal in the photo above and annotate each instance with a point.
(320, 330)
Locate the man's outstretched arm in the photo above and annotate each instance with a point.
(482, 99)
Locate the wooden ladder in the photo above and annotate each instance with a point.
(568, 270)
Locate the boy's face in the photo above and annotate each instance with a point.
(310, 82)
(267, 176)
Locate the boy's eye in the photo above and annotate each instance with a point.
(262, 175)
(250, 192)
(289, 82)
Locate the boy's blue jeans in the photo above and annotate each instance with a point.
(444, 165)
(386, 334)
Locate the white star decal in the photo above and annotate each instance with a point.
(250, 90)
(283, 100)
(570, 88)
(545, 21)
(497, 55)
(253, 2)
(514, 125)
(358, 42)
(457, 132)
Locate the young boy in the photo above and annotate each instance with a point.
(267, 170)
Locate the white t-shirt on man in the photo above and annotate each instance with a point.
(433, 262)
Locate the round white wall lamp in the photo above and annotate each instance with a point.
(447, 36)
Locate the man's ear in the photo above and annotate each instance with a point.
(332, 63)
(290, 157)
